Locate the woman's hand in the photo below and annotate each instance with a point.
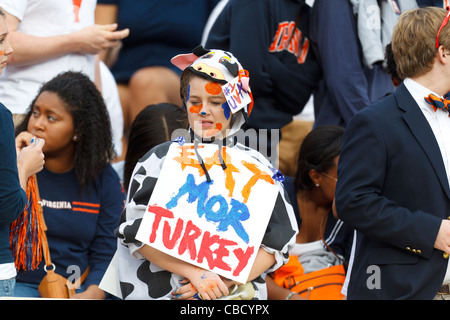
(92, 292)
(95, 38)
(22, 140)
(30, 158)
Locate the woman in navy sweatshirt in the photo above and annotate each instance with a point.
(81, 194)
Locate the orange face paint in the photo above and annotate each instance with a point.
(2, 53)
(214, 131)
(213, 88)
(196, 109)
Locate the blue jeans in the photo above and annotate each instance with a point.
(24, 289)
(7, 287)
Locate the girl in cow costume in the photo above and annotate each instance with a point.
(147, 273)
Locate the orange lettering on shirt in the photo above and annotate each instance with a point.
(76, 9)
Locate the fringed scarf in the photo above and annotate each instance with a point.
(26, 231)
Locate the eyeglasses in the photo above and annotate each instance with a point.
(444, 23)
(328, 176)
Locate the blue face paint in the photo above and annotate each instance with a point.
(226, 110)
(188, 93)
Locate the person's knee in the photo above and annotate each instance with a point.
(154, 85)
(153, 77)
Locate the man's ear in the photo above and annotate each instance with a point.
(443, 55)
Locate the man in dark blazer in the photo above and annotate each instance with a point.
(394, 169)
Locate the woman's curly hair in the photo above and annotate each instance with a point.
(93, 147)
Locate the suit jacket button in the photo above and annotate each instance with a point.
(408, 248)
(419, 251)
(445, 255)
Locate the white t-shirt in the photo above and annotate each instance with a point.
(20, 84)
(7, 270)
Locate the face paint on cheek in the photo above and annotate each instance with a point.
(213, 88)
(2, 53)
(196, 109)
(226, 110)
(188, 93)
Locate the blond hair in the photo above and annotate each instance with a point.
(414, 40)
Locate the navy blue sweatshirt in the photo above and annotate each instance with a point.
(12, 196)
(283, 69)
(80, 226)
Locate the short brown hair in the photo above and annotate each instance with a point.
(414, 40)
(185, 78)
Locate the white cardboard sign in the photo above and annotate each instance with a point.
(217, 225)
(237, 97)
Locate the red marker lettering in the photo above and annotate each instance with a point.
(168, 242)
(243, 259)
(205, 251)
(159, 213)
(191, 233)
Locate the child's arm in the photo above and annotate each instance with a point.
(264, 260)
(208, 284)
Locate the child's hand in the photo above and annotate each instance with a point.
(186, 292)
(203, 284)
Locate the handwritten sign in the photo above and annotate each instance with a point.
(237, 97)
(216, 225)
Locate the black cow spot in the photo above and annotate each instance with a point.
(143, 195)
(158, 283)
(126, 288)
(130, 231)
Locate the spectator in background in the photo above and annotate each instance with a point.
(271, 38)
(351, 79)
(82, 196)
(50, 37)
(391, 66)
(19, 162)
(323, 241)
(435, 3)
(158, 31)
(152, 126)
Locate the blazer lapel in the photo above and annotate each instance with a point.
(422, 131)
